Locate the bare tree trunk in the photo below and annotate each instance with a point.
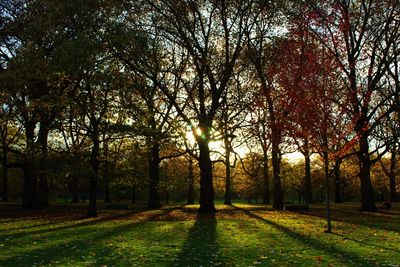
(276, 166)
(367, 194)
(94, 160)
(276, 157)
(29, 199)
(190, 200)
(206, 176)
(266, 197)
(308, 196)
(338, 182)
(154, 176)
(29, 195)
(327, 193)
(106, 175)
(392, 173)
(43, 183)
(227, 197)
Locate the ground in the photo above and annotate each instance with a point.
(237, 235)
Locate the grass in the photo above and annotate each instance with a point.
(237, 235)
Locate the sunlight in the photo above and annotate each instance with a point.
(217, 148)
(198, 131)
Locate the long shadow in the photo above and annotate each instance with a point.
(366, 243)
(355, 218)
(310, 242)
(85, 222)
(29, 226)
(16, 220)
(201, 247)
(57, 252)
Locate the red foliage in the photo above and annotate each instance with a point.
(305, 74)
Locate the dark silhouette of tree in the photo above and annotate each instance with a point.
(212, 34)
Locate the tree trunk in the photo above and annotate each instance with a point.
(276, 167)
(154, 176)
(338, 182)
(29, 198)
(276, 158)
(106, 174)
(206, 176)
(367, 194)
(308, 196)
(190, 200)
(266, 199)
(43, 184)
(29, 195)
(392, 178)
(94, 160)
(5, 176)
(327, 192)
(227, 197)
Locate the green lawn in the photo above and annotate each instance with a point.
(239, 235)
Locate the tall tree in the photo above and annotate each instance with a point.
(213, 34)
(229, 121)
(364, 38)
(40, 38)
(152, 114)
(259, 47)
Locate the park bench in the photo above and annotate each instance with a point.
(117, 206)
(296, 207)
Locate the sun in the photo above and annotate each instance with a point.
(216, 146)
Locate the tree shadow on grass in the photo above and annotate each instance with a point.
(28, 227)
(77, 248)
(376, 221)
(201, 246)
(311, 242)
(366, 243)
(83, 221)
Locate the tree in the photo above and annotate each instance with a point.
(95, 103)
(364, 37)
(230, 120)
(212, 34)
(258, 52)
(153, 115)
(40, 59)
